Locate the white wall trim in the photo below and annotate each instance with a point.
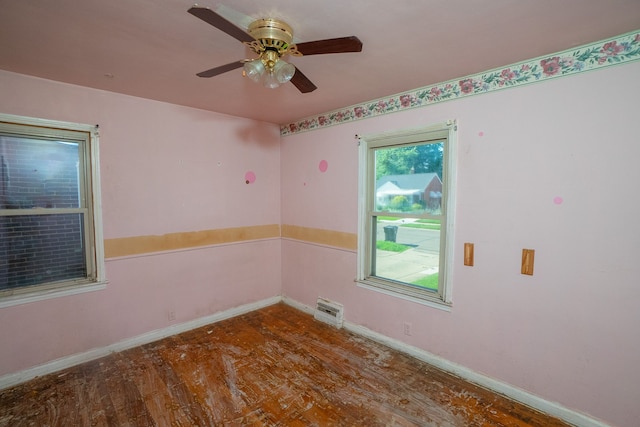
(552, 408)
(45, 294)
(13, 379)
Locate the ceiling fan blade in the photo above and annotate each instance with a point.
(339, 45)
(221, 69)
(301, 81)
(211, 17)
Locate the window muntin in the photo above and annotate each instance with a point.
(48, 190)
(404, 211)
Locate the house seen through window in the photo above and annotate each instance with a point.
(47, 216)
(405, 183)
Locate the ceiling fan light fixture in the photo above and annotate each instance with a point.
(254, 70)
(270, 80)
(283, 71)
(269, 69)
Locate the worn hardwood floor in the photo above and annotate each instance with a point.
(273, 367)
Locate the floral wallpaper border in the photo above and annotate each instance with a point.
(614, 51)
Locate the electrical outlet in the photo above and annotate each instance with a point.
(407, 328)
(171, 316)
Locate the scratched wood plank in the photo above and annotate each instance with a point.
(127, 401)
(158, 398)
(272, 367)
(98, 407)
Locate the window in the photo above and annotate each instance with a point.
(50, 238)
(406, 211)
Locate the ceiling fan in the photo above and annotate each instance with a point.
(272, 39)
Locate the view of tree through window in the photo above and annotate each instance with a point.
(411, 159)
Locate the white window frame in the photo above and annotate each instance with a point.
(366, 205)
(37, 127)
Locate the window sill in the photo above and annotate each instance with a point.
(416, 296)
(45, 294)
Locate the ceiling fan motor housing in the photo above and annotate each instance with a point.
(271, 34)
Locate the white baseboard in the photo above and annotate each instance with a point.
(10, 380)
(551, 408)
(298, 305)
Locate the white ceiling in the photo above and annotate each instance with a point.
(153, 49)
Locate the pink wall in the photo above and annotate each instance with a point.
(569, 332)
(165, 169)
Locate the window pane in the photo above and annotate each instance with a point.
(409, 179)
(36, 249)
(407, 250)
(38, 173)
